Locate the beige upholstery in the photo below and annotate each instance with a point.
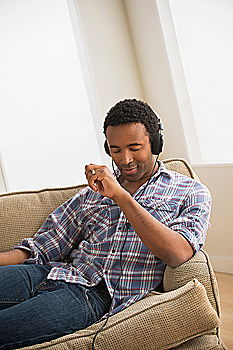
(156, 322)
(185, 316)
(22, 213)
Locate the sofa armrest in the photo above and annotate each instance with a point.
(157, 322)
(199, 267)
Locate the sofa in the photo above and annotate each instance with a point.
(185, 314)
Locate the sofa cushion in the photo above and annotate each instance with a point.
(22, 213)
(157, 322)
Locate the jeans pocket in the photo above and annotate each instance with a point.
(47, 285)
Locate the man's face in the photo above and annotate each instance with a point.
(130, 149)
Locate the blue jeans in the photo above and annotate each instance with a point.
(34, 309)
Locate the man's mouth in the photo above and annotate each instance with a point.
(129, 171)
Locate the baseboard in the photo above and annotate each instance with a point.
(222, 263)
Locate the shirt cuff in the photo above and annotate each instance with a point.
(25, 246)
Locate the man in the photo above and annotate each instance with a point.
(118, 233)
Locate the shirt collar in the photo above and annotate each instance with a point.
(162, 170)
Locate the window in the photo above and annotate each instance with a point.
(47, 134)
(204, 32)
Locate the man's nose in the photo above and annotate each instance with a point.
(126, 157)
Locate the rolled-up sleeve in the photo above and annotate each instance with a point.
(194, 217)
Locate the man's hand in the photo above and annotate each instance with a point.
(101, 180)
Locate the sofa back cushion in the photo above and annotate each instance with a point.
(22, 213)
(181, 166)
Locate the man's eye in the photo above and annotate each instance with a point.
(134, 149)
(116, 151)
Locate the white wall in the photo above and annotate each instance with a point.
(219, 243)
(155, 72)
(2, 180)
(109, 51)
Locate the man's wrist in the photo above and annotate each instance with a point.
(22, 254)
(14, 257)
(121, 197)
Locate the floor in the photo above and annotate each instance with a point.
(225, 284)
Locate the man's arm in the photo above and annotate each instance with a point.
(13, 257)
(167, 244)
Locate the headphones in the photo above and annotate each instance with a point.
(156, 142)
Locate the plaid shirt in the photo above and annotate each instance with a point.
(92, 230)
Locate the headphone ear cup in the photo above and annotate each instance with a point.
(106, 148)
(157, 143)
(161, 143)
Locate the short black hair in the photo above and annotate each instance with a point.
(133, 111)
